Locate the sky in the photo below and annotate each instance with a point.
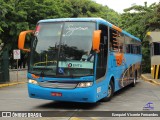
(119, 5)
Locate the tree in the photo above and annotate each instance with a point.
(20, 15)
(138, 20)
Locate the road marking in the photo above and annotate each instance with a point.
(75, 118)
(94, 118)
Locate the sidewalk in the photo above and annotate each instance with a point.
(147, 77)
(22, 77)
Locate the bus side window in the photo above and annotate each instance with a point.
(127, 44)
(113, 40)
(102, 55)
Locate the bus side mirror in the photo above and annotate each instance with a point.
(21, 40)
(96, 40)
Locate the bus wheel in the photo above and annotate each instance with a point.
(134, 81)
(110, 92)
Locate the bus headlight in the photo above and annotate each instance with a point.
(85, 84)
(32, 81)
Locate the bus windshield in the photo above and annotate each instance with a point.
(62, 49)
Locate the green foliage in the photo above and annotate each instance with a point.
(20, 15)
(146, 64)
(138, 20)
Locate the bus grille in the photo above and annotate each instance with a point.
(51, 84)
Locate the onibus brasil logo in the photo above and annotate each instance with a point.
(149, 106)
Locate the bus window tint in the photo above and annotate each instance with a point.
(113, 40)
(132, 46)
(127, 44)
(102, 55)
(120, 39)
(117, 40)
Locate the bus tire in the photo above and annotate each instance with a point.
(134, 81)
(110, 92)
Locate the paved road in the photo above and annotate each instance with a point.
(15, 98)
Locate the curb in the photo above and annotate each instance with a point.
(150, 80)
(11, 84)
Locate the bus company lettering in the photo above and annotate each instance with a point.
(71, 28)
(74, 65)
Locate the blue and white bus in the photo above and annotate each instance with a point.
(80, 59)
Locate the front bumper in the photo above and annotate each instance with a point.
(72, 95)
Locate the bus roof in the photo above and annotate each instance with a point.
(98, 20)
